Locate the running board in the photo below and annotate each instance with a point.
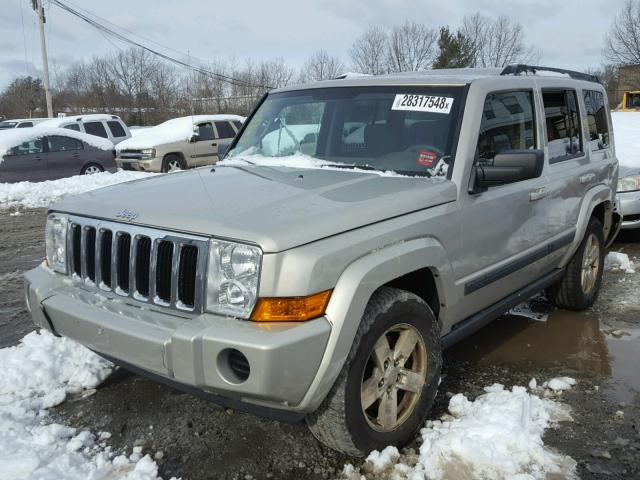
(470, 325)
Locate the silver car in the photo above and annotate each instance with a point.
(629, 196)
(356, 228)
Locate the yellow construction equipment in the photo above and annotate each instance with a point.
(630, 101)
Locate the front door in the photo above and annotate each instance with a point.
(504, 226)
(24, 163)
(206, 146)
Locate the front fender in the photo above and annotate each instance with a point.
(354, 289)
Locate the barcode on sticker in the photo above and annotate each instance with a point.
(422, 103)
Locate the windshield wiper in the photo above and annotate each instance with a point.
(353, 166)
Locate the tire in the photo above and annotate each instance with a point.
(172, 163)
(575, 291)
(342, 422)
(91, 168)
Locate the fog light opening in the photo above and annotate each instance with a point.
(233, 366)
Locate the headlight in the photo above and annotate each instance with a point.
(628, 184)
(56, 242)
(232, 282)
(148, 153)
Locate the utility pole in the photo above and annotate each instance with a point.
(37, 5)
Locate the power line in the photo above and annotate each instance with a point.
(122, 38)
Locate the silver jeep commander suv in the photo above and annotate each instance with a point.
(355, 229)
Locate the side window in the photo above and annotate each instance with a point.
(563, 124)
(596, 120)
(58, 143)
(72, 126)
(508, 123)
(205, 132)
(238, 124)
(225, 130)
(95, 128)
(27, 148)
(25, 125)
(116, 129)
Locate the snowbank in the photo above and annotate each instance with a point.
(619, 262)
(171, 131)
(626, 129)
(497, 436)
(39, 374)
(14, 137)
(43, 194)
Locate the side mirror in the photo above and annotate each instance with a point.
(508, 167)
(194, 138)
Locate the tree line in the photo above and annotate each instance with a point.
(144, 89)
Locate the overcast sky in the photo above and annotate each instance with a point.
(570, 33)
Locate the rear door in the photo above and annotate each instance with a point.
(570, 172)
(206, 146)
(225, 134)
(25, 163)
(64, 158)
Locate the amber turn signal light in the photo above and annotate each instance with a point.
(291, 309)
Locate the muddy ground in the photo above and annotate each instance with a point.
(194, 439)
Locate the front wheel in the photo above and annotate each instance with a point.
(389, 381)
(579, 287)
(172, 163)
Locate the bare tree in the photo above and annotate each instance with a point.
(321, 66)
(622, 44)
(369, 52)
(497, 42)
(412, 47)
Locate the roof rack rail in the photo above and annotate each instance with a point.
(521, 68)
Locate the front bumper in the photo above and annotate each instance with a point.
(148, 165)
(630, 206)
(189, 350)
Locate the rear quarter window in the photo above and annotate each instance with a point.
(116, 128)
(597, 122)
(95, 128)
(72, 126)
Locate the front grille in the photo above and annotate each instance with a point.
(130, 154)
(144, 264)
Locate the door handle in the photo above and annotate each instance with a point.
(588, 177)
(214, 144)
(75, 155)
(538, 194)
(38, 159)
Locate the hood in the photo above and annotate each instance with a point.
(276, 208)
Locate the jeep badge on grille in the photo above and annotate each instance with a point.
(127, 214)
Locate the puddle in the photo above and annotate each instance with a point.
(567, 339)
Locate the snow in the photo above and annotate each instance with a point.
(619, 262)
(58, 122)
(496, 436)
(297, 160)
(171, 131)
(39, 374)
(13, 137)
(560, 384)
(43, 194)
(626, 130)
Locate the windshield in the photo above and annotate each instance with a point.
(4, 125)
(403, 129)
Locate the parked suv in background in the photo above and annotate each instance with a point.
(180, 143)
(106, 126)
(20, 123)
(355, 229)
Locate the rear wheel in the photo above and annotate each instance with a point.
(389, 381)
(91, 168)
(580, 285)
(172, 163)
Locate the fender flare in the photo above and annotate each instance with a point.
(594, 197)
(352, 293)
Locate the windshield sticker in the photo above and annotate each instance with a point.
(426, 158)
(422, 103)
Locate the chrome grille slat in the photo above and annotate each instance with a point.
(99, 242)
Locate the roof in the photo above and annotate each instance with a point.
(54, 122)
(39, 119)
(451, 76)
